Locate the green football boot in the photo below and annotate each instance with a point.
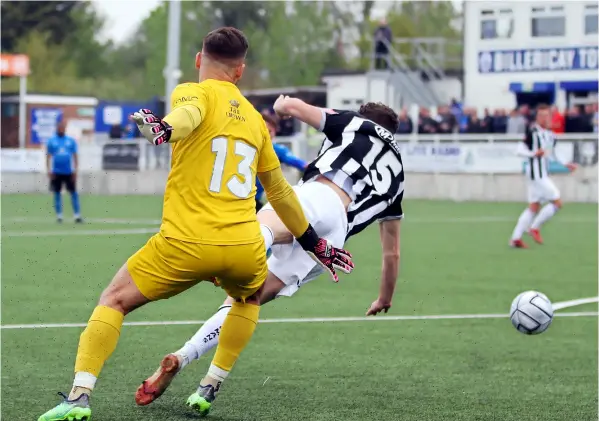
(201, 400)
(75, 410)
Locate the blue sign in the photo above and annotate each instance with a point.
(538, 60)
(44, 122)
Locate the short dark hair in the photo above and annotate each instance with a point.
(226, 43)
(381, 115)
(542, 107)
(271, 120)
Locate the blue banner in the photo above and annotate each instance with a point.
(538, 60)
(43, 123)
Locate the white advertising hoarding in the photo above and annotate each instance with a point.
(470, 157)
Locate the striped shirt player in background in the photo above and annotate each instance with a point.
(284, 155)
(356, 179)
(538, 147)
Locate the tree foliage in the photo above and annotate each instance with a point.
(291, 43)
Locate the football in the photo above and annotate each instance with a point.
(531, 312)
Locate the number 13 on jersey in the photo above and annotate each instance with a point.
(241, 183)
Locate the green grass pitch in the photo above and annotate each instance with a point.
(455, 260)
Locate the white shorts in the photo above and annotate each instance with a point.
(542, 190)
(325, 211)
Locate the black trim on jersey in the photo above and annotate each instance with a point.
(533, 140)
(369, 155)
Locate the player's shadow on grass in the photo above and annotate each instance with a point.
(181, 412)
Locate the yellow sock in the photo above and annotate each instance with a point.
(98, 340)
(237, 330)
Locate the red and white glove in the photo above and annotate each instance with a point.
(325, 254)
(155, 130)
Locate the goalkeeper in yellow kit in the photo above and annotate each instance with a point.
(209, 226)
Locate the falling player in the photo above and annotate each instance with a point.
(538, 146)
(356, 179)
(209, 226)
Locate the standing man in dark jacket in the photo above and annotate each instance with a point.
(381, 51)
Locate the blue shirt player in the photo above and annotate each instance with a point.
(62, 163)
(284, 154)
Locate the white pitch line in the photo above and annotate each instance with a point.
(115, 221)
(75, 232)
(149, 221)
(573, 303)
(303, 320)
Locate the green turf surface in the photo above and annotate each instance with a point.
(455, 260)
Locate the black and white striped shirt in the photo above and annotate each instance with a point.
(539, 138)
(363, 159)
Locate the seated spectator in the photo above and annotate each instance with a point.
(426, 124)
(499, 121)
(516, 122)
(475, 125)
(574, 123)
(405, 123)
(595, 117)
(446, 120)
(558, 123)
(487, 121)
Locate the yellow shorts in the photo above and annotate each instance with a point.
(165, 267)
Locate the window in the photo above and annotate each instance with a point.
(548, 21)
(590, 19)
(496, 24)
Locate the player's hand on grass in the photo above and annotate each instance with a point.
(324, 253)
(155, 130)
(540, 152)
(571, 166)
(377, 306)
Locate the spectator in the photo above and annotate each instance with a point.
(116, 131)
(446, 120)
(588, 118)
(464, 119)
(526, 113)
(558, 123)
(475, 125)
(595, 117)
(574, 121)
(455, 107)
(405, 123)
(516, 123)
(426, 124)
(382, 38)
(499, 121)
(487, 122)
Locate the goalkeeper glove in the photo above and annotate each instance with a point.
(323, 253)
(155, 130)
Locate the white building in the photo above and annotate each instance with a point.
(529, 52)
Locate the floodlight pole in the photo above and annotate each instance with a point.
(171, 71)
(22, 111)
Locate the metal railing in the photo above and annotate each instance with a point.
(486, 138)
